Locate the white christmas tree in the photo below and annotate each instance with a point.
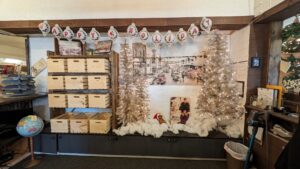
(126, 106)
(133, 97)
(141, 96)
(218, 96)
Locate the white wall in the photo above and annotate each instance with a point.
(83, 9)
(239, 51)
(38, 49)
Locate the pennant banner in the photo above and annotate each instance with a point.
(169, 38)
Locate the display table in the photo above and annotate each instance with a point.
(170, 145)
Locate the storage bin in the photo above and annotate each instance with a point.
(97, 65)
(79, 123)
(56, 82)
(60, 124)
(100, 123)
(56, 65)
(77, 100)
(76, 65)
(76, 82)
(57, 100)
(99, 100)
(98, 82)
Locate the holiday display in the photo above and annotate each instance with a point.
(81, 35)
(181, 35)
(44, 28)
(193, 31)
(68, 33)
(94, 35)
(291, 80)
(132, 30)
(219, 96)
(112, 33)
(290, 59)
(57, 31)
(169, 38)
(144, 34)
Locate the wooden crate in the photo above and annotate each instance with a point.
(100, 123)
(99, 100)
(76, 65)
(77, 100)
(97, 65)
(76, 82)
(57, 100)
(79, 123)
(98, 82)
(60, 124)
(56, 65)
(56, 82)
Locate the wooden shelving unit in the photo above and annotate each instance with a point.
(112, 57)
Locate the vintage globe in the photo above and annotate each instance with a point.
(30, 126)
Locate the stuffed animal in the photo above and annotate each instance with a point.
(159, 118)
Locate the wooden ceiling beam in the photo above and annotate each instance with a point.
(152, 24)
(280, 12)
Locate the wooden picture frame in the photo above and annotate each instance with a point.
(241, 88)
(103, 47)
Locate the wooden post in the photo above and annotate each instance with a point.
(274, 52)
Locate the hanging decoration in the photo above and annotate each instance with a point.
(193, 31)
(68, 33)
(112, 33)
(57, 31)
(144, 34)
(81, 35)
(132, 30)
(169, 38)
(156, 38)
(206, 24)
(94, 35)
(181, 35)
(44, 28)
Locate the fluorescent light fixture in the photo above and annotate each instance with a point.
(12, 61)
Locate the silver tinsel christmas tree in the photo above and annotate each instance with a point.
(133, 97)
(141, 96)
(219, 96)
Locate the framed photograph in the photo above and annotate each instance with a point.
(255, 62)
(103, 47)
(240, 87)
(70, 47)
(179, 110)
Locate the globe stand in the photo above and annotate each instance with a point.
(33, 162)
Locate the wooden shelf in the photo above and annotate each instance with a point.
(76, 74)
(285, 117)
(83, 91)
(283, 10)
(103, 56)
(121, 24)
(254, 108)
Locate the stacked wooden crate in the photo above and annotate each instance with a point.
(99, 80)
(96, 123)
(81, 82)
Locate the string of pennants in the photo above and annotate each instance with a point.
(157, 38)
